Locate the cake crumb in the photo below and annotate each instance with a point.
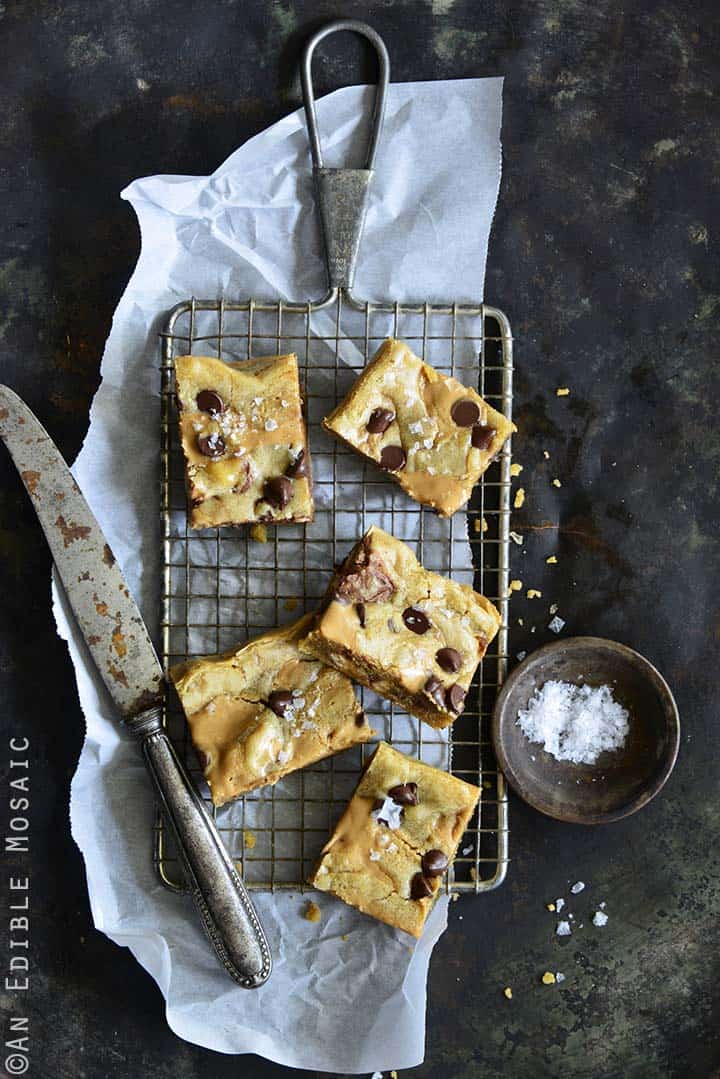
(514, 586)
(553, 608)
(473, 873)
(546, 455)
(516, 538)
(480, 524)
(562, 391)
(258, 532)
(311, 912)
(507, 992)
(521, 621)
(393, 1075)
(290, 603)
(344, 936)
(548, 978)
(519, 498)
(552, 560)
(534, 593)
(455, 896)
(515, 469)
(249, 839)
(550, 907)
(556, 482)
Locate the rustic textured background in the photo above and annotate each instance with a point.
(604, 254)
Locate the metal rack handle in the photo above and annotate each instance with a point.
(341, 194)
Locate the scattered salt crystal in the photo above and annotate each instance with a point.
(283, 756)
(430, 471)
(553, 608)
(392, 847)
(563, 929)
(415, 428)
(388, 813)
(467, 850)
(600, 918)
(271, 424)
(284, 404)
(559, 977)
(559, 904)
(197, 427)
(574, 723)
(427, 443)
(556, 625)
(521, 656)
(374, 855)
(578, 886)
(602, 905)
(257, 400)
(211, 706)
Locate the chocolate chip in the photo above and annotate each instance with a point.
(416, 620)
(278, 491)
(434, 688)
(279, 701)
(455, 698)
(210, 401)
(465, 412)
(434, 863)
(392, 458)
(211, 445)
(405, 794)
(420, 888)
(481, 436)
(380, 420)
(297, 467)
(449, 659)
(360, 611)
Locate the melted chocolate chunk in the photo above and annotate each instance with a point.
(298, 467)
(279, 701)
(420, 888)
(241, 487)
(210, 401)
(363, 578)
(481, 436)
(449, 659)
(465, 412)
(434, 688)
(392, 458)
(380, 420)
(360, 611)
(211, 445)
(434, 863)
(405, 794)
(455, 698)
(416, 620)
(277, 491)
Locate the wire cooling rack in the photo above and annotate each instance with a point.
(222, 587)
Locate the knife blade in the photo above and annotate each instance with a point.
(126, 659)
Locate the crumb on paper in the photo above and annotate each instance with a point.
(556, 624)
(563, 929)
(556, 482)
(258, 532)
(578, 886)
(516, 538)
(515, 469)
(311, 912)
(534, 593)
(562, 391)
(519, 498)
(345, 936)
(600, 918)
(546, 455)
(249, 839)
(548, 978)
(552, 560)
(550, 907)
(514, 586)
(290, 603)
(507, 992)
(559, 976)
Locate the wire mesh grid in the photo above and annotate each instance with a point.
(222, 587)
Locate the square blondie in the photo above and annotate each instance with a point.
(244, 440)
(407, 633)
(263, 710)
(435, 436)
(396, 839)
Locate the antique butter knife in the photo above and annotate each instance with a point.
(124, 655)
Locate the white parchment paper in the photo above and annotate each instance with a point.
(347, 994)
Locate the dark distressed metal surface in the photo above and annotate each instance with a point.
(604, 254)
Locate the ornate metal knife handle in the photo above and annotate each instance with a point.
(227, 912)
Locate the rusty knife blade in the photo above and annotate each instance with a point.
(96, 590)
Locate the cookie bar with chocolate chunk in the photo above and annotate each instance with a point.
(435, 436)
(409, 634)
(244, 440)
(264, 710)
(396, 839)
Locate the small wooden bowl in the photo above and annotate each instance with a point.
(620, 782)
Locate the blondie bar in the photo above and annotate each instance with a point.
(244, 440)
(409, 634)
